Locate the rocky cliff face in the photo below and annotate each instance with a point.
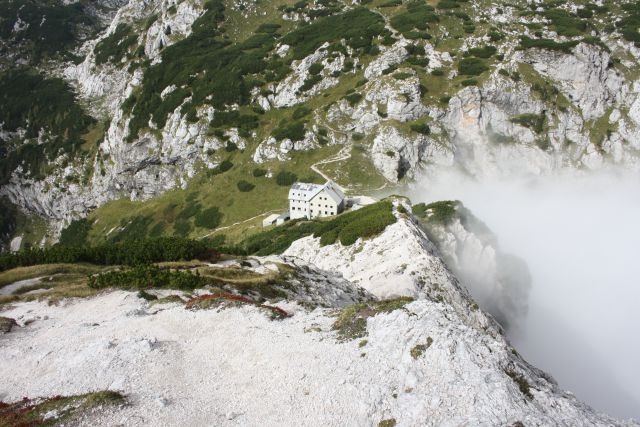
(498, 281)
(533, 109)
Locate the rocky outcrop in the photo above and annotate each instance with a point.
(498, 281)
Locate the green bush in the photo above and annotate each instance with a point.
(316, 68)
(472, 67)
(126, 252)
(310, 83)
(293, 131)
(357, 27)
(32, 102)
(147, 277)
(447, 4)
(8, 214)
(482, 52)
(549, 44)
(421, 128)
(535, 122)
(182, 227)
(402, 76)
(443, 212)
(224, 166)
(245, 186)
(469, 82)
(565, 23)
(300, 113)
(65, 26)
(346, 228)
(629, 25)
(115, 46)
(206, 67)
(353, 98)
(417, 16)
(75, 234)
(208, 218)
(258, 172)
(285, 178)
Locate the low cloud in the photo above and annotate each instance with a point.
(579, 234)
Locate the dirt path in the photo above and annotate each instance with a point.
(241, 222)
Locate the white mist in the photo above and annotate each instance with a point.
(580, 236)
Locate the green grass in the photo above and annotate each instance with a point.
(47, 271)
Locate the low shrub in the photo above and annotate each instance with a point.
(482, 52)
(316, 68)
(224, 166)
(245, 186)
(126, 252)
(147, 277)
(346, 228)
(535, 122)
(421, 128)
(353, 98)
(472, 66)
(549, 44)
(75, 234)
(209, 218)
(293, 131)
(443, 212)
(285, 178)
(258, 172)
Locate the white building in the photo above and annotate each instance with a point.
(314, 200)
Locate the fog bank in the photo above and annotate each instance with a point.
(580, 236)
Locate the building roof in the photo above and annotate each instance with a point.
(334, 191)
(270, 219)
(307, 191)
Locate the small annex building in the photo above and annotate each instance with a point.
(314, 200)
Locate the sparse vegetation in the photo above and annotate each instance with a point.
(535, 122)
(352, 321)
(442, 212)
(419, 349)
(521, 381)
(115, 46)
(6, 324)
(65, 409)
